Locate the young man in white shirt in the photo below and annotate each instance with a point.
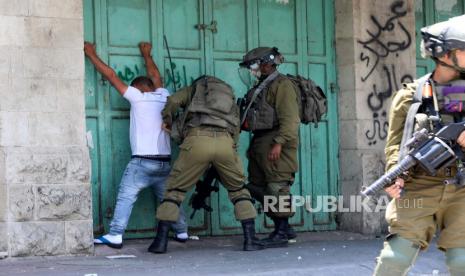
(150, 144)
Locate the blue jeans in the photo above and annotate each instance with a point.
(141, 173)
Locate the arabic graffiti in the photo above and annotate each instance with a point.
(392, 37)
(375, 102)
(128, 74)
(178, 79)
(376, 98)
(378, 46)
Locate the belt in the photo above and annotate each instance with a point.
(208, 132)
(163, 158)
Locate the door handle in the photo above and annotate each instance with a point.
(213, 27)
(200, 26)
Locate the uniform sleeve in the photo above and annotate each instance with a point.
(401, 103)
(287, 110)
(174, 102)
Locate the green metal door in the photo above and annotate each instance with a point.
(207, 37)
(428, 12)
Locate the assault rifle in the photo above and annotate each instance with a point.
(432, 152)
(203, 189)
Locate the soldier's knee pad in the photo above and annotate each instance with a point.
(396, 257)
(455, 260)
(257, 192)
(168, 210)
(278, 188)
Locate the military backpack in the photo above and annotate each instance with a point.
(212, 103)
(312, 101)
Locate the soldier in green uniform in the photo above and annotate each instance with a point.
(272, 115)
(427, 204)
(209, 128)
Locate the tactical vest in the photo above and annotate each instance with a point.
(262, 115)
(433, 107)
(213, 104)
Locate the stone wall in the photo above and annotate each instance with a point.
(45, 195)
(375, 45)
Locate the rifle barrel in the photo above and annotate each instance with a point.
(390, 176)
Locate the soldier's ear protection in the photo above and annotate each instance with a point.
(436, 45)
(272, 57)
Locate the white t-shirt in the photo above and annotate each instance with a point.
(145, 133)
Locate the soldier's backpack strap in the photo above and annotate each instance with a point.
(257, 91)
(410, 119)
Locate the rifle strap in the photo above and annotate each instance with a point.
(410, 119)
(186, 108)
(257, 91)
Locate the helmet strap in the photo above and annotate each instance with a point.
(456, 63)
(455, 66)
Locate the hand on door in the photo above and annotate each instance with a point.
(145, 48)
(89, 49)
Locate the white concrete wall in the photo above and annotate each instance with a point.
(375, 45)
(45, 195)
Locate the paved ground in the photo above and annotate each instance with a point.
(314, 253)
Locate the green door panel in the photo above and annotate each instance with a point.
(206, 37)
(179, 19)
(128, 21)
(230, 15)
(277, 25)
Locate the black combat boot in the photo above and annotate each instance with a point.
(160, 243)
(251, 243)
(291, 234)
(278, 238)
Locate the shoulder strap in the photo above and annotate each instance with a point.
(257, 91)
(410, 119)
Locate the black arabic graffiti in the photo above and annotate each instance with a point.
(375, 102)
(376, 99)
(379, 48)
(376, 129)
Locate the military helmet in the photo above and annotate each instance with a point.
(441, 38)
(262, 55)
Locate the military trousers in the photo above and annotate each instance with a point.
(271, 181)
(200, 149)
(427, 206)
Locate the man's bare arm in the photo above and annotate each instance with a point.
(105, 70)
(152, 69)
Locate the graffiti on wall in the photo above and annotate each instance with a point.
(384, 40)
(128, 73)
(178, 77)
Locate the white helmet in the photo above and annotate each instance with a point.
(443, 37)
